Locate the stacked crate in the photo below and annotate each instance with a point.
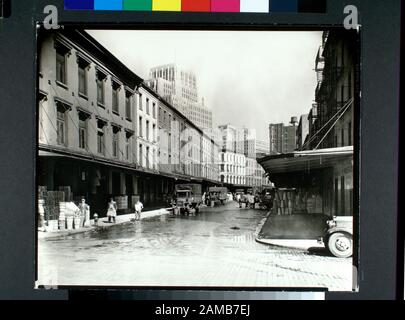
(55, 206)
(51, 207)
(68, 193)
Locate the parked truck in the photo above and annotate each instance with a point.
(218, 195)
(187, 198)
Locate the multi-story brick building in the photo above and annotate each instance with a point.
(282, 137)
(336, 66)
(324, 170)
(233, 168)
(101, 128)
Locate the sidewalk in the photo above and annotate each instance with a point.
(103, 223)
(302, 244)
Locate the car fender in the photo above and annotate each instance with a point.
(337, 229)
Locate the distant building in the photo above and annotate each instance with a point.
(233, 138)
(276, 138)
(249, 142)
(302, 130)
(179, 88)
(238, 158)
(283, 138)
(262, 148)
(233, 168)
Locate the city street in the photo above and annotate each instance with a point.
(216, 248)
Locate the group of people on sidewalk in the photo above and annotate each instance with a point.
(112, 210)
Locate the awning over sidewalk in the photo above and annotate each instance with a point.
(305, 160)
(137, 169)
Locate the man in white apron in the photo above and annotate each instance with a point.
(84, 213)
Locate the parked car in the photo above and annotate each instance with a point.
(335, 233)
(338, 238)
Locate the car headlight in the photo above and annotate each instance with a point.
(331, 223)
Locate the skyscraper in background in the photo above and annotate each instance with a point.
(283, 138)
(179, 87)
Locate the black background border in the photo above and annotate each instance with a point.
(381, 240)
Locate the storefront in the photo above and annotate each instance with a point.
(69, 178)
(314, 181)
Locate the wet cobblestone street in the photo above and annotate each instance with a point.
(214, 249)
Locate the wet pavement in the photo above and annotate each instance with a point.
(217, 248)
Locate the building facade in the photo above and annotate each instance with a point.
(336, 65)
(255, 174)
(104, 133)
(233, 138)
(336, 97)
(302, 131)
(233, 168)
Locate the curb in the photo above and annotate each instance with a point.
(291, 243)
(121, 219)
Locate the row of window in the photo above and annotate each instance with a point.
(83, 129)
(234, 158)
(83, 68)
(232, 179)
(147, 135)
(83, 134)
(231, 168)
(343, 141)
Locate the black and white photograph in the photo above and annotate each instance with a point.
(197, 158)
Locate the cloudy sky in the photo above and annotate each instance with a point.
(247, 78)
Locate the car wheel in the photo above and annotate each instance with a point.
(340, 244)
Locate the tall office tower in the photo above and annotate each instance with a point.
(179, 87)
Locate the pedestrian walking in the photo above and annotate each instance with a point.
(251, 199)
(138, 210)
(247, 200)
(112, 210)
(84, 213)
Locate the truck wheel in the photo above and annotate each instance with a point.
(340, 244)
